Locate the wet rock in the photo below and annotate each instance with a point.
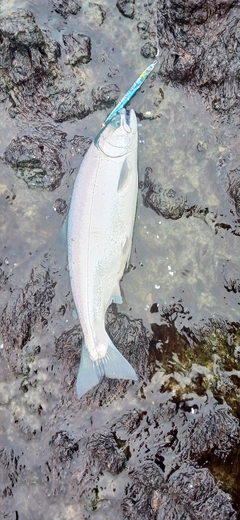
(169, 203)
(67, 7)
(234, 188)
(18, 319)
(60, 206)
(104, 448)
(3, 276)
(80, 144)
(127, 424)
(31, 75)
(68, 351)
(126, 7)
(63, 446)
(231, 277)
(190, 493)
(28, 61)
(193, 50)
(78, 48)
(105, 96)
(131, 338)
(214, 433)
(64, 104)
(26, 52)
(193, 492)
(95, 14)
(143, 29)
(35, 161)
(148, 50)
(138, 504)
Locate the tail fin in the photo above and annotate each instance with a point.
(112, 365)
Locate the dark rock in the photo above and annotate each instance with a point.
(68, 350)
(194, 52)
(60, 206)
(105, 96)
(169, 203)
(143, 29)
(110, 458)
(214, 433)
(139, 501)
(95, 14)
(231, 277)
(3, 276)
(234, 188)
(64, 104)
(195, 491)
(28, 60)
(131, 338)
(148, 50)
(66, 7)
(18, 318)
(31, 75)
(26, 52)
(63, 446)
(126, 7)
(78, 48)
(35, 161)
(80, 144)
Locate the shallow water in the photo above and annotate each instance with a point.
(175, 264)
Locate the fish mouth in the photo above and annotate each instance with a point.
(127, 120)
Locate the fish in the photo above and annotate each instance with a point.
(99, 238)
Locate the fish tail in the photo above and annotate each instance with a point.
(112, 365)
(115, 364)
(90, 372)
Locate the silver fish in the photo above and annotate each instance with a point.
(100, 228)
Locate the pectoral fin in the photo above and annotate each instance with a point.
(125, 172)
(117, 297)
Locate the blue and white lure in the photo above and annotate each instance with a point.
(130, 93)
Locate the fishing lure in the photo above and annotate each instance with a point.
(130, 93)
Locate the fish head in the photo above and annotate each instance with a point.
(119, 136)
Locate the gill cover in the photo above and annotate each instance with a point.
(119, 136)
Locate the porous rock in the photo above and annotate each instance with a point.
(35, 161)
(78, 48)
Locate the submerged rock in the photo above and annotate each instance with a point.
(105, 96)
(19, 317)
(105, 450)
(26, 52)
(30, 72)
(143, 29)
(198, 43)
(78, 48)
(63, 446)
(149, 51)
(231, 277)
(139, 503)
(67, 7)
(80, 144)
(234, 188)
(35, 161)
(169, 203)
(126, 7)
(95, 14)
